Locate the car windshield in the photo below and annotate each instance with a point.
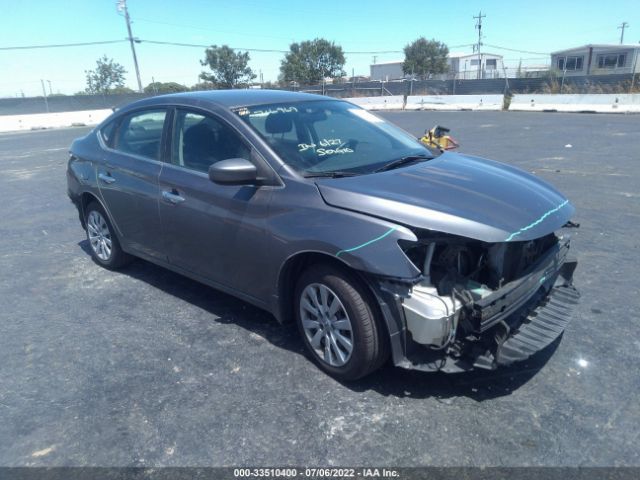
(319, 138)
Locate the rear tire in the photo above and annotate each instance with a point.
(103, 242)
(338, 322)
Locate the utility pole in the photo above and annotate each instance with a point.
(353, 81)
(622, 27)
(633, 73)
(122, 7)
(44, 93)
(50, 91)
(479, 27)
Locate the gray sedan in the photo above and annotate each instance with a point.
(324, 214)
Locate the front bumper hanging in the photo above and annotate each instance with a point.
(513, 324)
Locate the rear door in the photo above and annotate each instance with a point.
(128, 179)
(215, 231)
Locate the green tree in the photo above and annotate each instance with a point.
(311, 61)
(165, 87)
(203, 86)
(115, 90)
(228, 68)
(424, 57)
(106, 76)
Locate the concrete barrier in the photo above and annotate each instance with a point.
(600, 103)
(36, 121)
(392, 102)
(454, 102)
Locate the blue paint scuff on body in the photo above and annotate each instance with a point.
(537, 222)
(388, 232)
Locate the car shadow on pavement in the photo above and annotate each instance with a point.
(223, 307)
(478, 385)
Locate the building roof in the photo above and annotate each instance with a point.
(393, 62)
(462, 55)
(450, 55)
(613, 46)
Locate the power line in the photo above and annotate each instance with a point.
(177, 44)
(182, 25)
(263, 50)
(515, 50)
(267, 50)
(199, 45)
(62, 45)
(397, 51)
(194, 27)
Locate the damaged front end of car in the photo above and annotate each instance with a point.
(488, 244)
(480, 304)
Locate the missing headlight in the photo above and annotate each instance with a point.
(456, 273)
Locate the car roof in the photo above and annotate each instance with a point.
(227, 98)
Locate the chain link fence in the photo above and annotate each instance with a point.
(550, 83)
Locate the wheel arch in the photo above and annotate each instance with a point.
(85, 199)
(295, 265)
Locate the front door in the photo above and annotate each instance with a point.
(215, 231)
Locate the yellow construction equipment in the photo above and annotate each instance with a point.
(438, 138)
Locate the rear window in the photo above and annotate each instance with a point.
(107, 132)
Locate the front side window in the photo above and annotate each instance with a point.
(327, 136)
(141, 134)
(199, 141)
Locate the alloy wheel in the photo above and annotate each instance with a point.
(326, 324)
(99, 235)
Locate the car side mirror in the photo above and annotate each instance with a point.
(233, 171)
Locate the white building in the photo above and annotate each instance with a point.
(597, 59)
(461, 66)
(387, 70)
(465, 65)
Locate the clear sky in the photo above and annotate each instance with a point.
(358, 26)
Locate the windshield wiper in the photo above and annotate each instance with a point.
(331, 174)
(402, 161)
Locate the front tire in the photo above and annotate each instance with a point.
(103, 242)
(338, 323)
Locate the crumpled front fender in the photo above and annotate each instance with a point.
(363, 243)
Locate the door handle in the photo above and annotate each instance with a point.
(106, 178)
(172, 197)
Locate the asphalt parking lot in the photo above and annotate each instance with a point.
(147, 368)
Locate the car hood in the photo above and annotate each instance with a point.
(456, 194)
